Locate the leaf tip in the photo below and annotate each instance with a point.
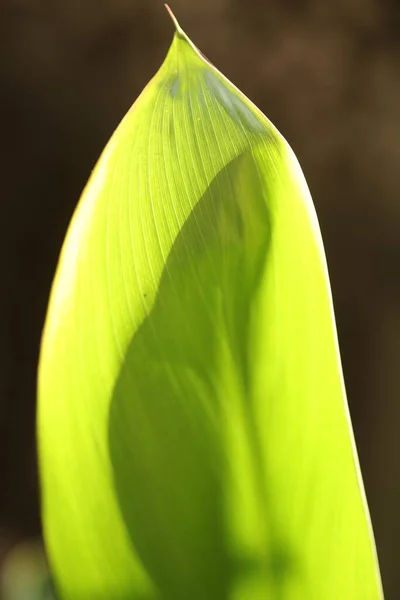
(178, 28)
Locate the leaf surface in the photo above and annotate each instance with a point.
(194, 435)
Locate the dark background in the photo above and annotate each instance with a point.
(327, 73)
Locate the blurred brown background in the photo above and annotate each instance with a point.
(327, 73)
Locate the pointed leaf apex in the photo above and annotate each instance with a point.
(178, 28)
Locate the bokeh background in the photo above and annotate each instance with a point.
(327, 73)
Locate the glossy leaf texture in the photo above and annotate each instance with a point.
(194, 436)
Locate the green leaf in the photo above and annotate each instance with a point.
(194, 436)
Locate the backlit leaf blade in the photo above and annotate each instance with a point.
(193, 429)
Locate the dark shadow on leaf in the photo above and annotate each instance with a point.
(167, 411)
